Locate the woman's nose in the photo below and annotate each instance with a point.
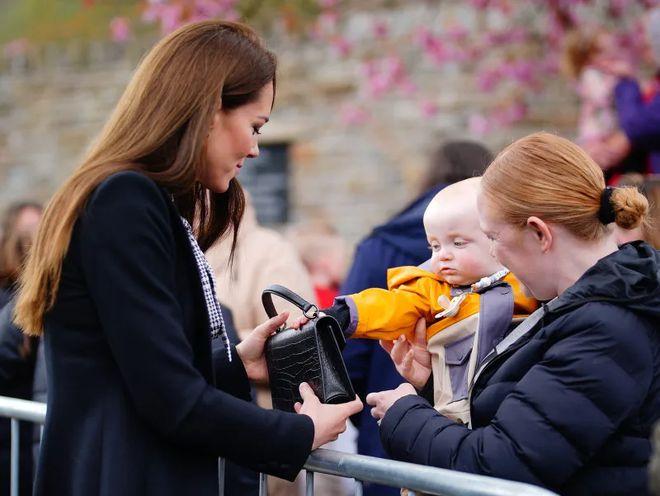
(254, 151)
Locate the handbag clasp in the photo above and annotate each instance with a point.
(312, 312)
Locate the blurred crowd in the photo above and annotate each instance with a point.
(619, 109)
(619, 126)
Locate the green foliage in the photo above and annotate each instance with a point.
(295, 14)
(56, 20)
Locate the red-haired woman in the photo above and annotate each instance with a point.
(567, 400)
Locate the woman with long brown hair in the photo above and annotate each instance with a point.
(567, 399)
(118, 285)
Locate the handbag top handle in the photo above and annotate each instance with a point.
(310, 310)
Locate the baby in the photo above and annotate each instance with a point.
(467, 299)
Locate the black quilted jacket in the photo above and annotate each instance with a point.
(571, 405)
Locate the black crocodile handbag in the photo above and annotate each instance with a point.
(310, 354)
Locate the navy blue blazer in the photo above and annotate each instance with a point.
(138, 404)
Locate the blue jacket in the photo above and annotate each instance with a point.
(640, 120)
(138, 404)
(570, 405)
(401, 241)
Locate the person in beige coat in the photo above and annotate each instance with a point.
(263, 257)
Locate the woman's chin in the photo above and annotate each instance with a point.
(218, 187)
(541, 294)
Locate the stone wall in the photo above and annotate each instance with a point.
(53, 102)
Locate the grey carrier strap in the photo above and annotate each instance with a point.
(495, 314)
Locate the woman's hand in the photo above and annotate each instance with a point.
(329, 420)
(251, 349)
(412, 360)
(383, 400)
(301, 321)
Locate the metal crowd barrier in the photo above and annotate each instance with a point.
(416, 478)
(17, 410)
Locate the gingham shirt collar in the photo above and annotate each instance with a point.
(216, 321)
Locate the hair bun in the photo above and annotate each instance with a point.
(630, 207)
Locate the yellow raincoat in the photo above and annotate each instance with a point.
(412, 294)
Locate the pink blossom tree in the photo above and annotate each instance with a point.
(514, 48)
(511, 48)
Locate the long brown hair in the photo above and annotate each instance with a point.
(550, 177)
(159, 127)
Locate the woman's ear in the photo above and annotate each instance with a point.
(541, 232)
(215, 122)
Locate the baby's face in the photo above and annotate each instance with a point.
(460, 250)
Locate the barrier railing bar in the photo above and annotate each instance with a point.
(418, 478)
(263, 485)
(15, 442)
(221, 477)
(309, 478)
(22, 409)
